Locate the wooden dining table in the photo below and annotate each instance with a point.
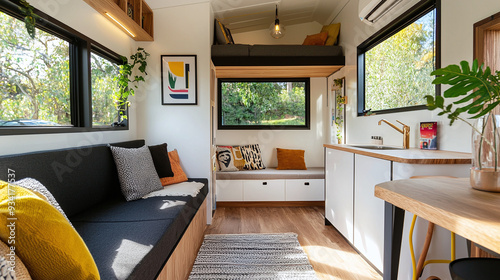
(448, 202)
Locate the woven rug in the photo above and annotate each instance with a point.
(252, 256)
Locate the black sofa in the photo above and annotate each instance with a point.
(128, 240)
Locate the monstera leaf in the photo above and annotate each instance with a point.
(479, 90)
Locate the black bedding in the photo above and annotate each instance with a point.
(276, 55)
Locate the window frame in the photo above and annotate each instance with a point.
(306, 126)
(414, 13)
(80, 48)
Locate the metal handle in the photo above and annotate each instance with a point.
(306, 183)
(264, 183)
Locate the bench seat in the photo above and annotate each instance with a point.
(272, 173)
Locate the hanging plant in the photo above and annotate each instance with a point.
(127, 81)
(29, 17)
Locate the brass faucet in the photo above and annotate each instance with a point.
(405, 131)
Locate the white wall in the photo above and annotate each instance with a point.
(458, 17)
(294, 35)
(182, 30)
(309, 140)
(81, 17)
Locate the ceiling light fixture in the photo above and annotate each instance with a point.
(119, 23)
(277, 29)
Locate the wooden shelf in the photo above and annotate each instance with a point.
(275, 71)
(139, 26)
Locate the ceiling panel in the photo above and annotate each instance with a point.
(250, 15)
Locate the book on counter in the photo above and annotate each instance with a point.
(428, 135)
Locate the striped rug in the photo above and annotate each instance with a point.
(252, 256)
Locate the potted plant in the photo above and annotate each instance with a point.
(125, 82)
(477, 93)
(29, 17)
(340, 101)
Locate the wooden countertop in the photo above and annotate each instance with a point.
(450, 203)
(412, 156)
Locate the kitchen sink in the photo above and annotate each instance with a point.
(376, 147)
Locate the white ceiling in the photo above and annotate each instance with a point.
(249, 15)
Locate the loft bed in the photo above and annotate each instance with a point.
(318, 56)
(270, 61)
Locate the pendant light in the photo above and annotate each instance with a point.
(277, 29)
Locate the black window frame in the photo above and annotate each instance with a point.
(80, 49)
(414, 13)
(306, 126)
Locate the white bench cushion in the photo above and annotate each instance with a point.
(272, 173)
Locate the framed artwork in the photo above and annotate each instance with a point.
(178, 80)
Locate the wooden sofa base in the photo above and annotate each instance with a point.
(270, 203)
(181, 261)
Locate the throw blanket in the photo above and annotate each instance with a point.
(180, 189)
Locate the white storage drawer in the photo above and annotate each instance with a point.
(229, 190)
(305, 190)
(264, 190)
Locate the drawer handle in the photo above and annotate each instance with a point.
(264, 183)
(306, 183)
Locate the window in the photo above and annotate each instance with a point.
(34, 77)
(104, 85)
(263, 103)
(60, 81)
(395, 65)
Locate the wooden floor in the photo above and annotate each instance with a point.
(330, 255)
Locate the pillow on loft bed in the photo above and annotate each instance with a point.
(316, 39)
(333, 33)
(222, 34)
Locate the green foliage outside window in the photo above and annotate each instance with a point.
(34, 75)
(397, 71)
(104, 85)
(263, 103)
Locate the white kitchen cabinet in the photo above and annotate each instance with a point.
(305, 190)
(368, 209)
(229, 190)
(264, 190)
(339, 175)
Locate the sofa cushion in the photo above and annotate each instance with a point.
(40, 190)
(290, 159)
(44, 239)
(136, 172)
(253, 157)
(225, 158)
(179, 175)
(161, 161)
(78, 178)
(132, 240)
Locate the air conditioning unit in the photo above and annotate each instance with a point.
(370, 11)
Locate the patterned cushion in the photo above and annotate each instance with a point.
(253, 157)
(225, 158)
(40, 190)
(9, 267)
(179, 175)
(161, 161)
(238, 159)
(136, 172)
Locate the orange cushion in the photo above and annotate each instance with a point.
(179, 175)
(291, 159)
(316, 39)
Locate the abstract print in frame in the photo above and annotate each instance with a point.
(178, 80)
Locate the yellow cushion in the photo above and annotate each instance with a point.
(179, 175)
(316, 39)
(333, 32)
(291, 159)
(48, 245)
(239, 161)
